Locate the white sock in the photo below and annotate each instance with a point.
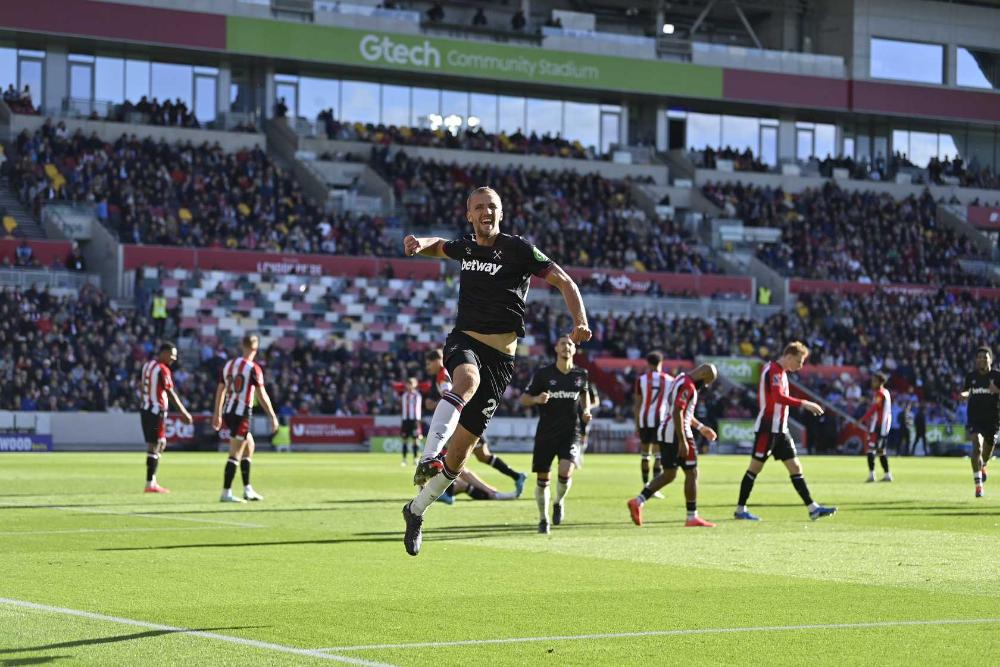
(443, 423)
(640, 499)
(812, 506)
(247, 489)
(542, 494)
(432, 490)
(693, 515)
(227, 493)
(508, 495)
(978, 478)
(151, 483)
(741, 508)
(562, 488)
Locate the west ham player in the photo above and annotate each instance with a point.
(156, 385)
(557, 390)
(440, 384)
(479, 352)
(411, 428)
(877, 420)
(678, 445)
(648, 406)
(240, 380)
(982, 389)
(772, 437)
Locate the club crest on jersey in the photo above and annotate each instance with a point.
(579, 382)
(477, 265)
(497, 254)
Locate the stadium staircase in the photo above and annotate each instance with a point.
(24, 224)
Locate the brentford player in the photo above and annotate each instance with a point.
(440, 384)
(241, 379)
(772, 437)
(157, 385)
(649, 405)
(411, 430)
(877, 421)
(678, 445)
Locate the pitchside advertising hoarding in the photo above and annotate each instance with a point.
(985, 217)
(736, 430)
(738, 369)
(25, 442)
(330, 430)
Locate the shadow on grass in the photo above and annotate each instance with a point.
(40, 660)
(104, 640)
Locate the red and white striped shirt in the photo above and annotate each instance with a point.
(240, 377)
(683, 396)
(652, 388)
(412, 403)
(774, 399)
(156, 382)
(878, 418)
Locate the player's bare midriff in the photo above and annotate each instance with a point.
(502, 342)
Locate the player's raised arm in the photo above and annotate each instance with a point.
(428, 246)
(574, 302)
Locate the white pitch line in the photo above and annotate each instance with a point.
(662, 633)
(267, 646)
(74, 531)
(165, 516)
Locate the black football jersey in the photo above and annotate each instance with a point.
(984, 407)
(494, 282)
(558, 419)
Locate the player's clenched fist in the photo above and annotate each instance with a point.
(411, 245)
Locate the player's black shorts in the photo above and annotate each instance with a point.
(410, 429)
(541, 458)
(988, 429)
(238, 425)
(779, 445)
(647, 435)
(154, 426)
(879, 442)
(496, 370)
(668, 454)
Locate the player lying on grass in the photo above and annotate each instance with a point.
(472, 484)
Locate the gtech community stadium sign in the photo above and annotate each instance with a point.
(462, 58)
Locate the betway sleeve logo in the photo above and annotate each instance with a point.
(384, 49)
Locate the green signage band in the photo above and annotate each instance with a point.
(479, 60)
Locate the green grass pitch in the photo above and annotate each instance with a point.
(95, 572)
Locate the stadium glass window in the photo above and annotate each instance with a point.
(484, 109)
(81, 81)
(826, 139)
(848, 149)
(29, 73)
(906, 61)
(136, 79)
(395, 105)
(981, 149)
(360, 101)
(583, 124)
(977, 68)
(205, 97)
(805, 140)
(172, 82)
(316, 95)
(741, 133)
(703, 130)
(425, 102)
(769, 145)
(947, 148)
(544, 117)
(455, 103)
(109, 79)
(8, 66)
(511, 114)
(610, 129)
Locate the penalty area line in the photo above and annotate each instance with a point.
(665, 633)
(266, 646)
(163, 516)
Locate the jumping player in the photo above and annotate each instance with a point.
(648, 405)
(772, 436)
(440, 384)
(157, 384)
(240, 380)
(982, 389)
(557, 390)
(878, 420)
(479, 352)
(678, 445)
(411, 428)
